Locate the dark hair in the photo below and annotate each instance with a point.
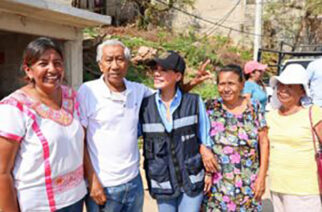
(247, 76)
(232, 68)
(36, 49)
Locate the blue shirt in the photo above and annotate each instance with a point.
(314, 71)
(256, 92)
(204, 123)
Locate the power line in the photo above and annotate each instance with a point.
(209, 21)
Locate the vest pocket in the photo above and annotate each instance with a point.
(159, 177)
(195, 169)
(148, 149)
(158, 169)
(160, 147)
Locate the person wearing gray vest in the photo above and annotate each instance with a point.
(174, 124)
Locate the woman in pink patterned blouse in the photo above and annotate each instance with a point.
(41, 139)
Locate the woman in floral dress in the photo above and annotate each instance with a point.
(239, 132)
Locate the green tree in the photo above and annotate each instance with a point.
(154, 11)
(294, 21)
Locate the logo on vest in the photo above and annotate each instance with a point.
(187, 137)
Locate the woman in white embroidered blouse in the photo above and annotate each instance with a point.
(41, 139)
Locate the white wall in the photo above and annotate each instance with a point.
(215, 11)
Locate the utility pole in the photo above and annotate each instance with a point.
(258, 28)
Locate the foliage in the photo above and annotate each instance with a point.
(90, 32)
(206, 90)
(139, 74)
(195, 50)
(293, 21)
(154, 11)
(314, 7)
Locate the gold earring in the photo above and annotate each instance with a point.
(32, 80)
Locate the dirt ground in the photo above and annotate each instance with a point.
(151, 206)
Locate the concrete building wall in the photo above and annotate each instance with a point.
(65, 2)
(11, 49)
(232, 14)
(17, 34)
(23, 21)
(228, 13)
(12, 46)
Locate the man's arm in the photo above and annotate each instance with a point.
(96, 190)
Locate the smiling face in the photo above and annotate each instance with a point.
(47, 72)
(229, 86)
(289, 95)
(113, 64)
(165, 79)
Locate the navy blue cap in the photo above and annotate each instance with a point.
(171, 60)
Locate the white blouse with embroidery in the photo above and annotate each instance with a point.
(48, 170)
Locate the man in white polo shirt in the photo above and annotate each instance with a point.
(109, 112)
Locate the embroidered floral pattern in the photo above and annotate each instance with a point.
(68, 181)
(236, 147)
(64, 116)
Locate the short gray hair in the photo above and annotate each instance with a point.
(113, 42)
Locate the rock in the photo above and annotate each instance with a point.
(144, 54)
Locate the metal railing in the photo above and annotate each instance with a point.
(281, 54)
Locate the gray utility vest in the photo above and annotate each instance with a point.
(172, 160)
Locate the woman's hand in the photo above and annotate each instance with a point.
(259, 188)
(209, 159)
(202, 75)
(96, 191)
(208, 183)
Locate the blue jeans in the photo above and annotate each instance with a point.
(76, 207)
(127, 197)
(183, 203)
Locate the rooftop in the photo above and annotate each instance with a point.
(54, 12)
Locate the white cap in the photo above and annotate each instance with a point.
(292, 74)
